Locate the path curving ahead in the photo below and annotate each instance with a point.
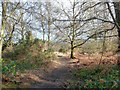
(59, 72)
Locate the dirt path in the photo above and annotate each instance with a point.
(58, 71)
(57, 75)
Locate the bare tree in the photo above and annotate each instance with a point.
(4, 8)
(77, 23)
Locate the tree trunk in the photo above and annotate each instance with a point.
(117, 12)
(49, 23)
(42, 22)
(48, 35)
(4, 7)
(11, 35)
(43, 35)
(48, 28)
(22, 34)
(73, 36)
(72, 49)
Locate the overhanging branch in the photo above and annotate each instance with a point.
(93, 18)
(93, 36)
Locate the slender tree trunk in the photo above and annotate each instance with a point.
(48, 26)
(73, 37)
(43, 35)
(4, 7)
(43, 30)
(22, 34)
(48, 9)
(48, 15)
(48, 33)
(11, 35)
(42, 23)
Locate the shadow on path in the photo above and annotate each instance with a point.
(57, 76)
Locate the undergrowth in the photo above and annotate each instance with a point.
(24, 57)
(96, 78)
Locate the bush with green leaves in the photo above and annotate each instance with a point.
(25, 57)
(98, 78)
(10, 67)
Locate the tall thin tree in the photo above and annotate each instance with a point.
(4, 8)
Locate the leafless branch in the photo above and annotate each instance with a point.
(93, 36)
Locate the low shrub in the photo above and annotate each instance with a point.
(10, 67)
(24, 57)
(97, 78)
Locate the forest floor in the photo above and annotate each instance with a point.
(58, 71)
(54, 76)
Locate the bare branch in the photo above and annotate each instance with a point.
(93, 36)
(93, 18)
